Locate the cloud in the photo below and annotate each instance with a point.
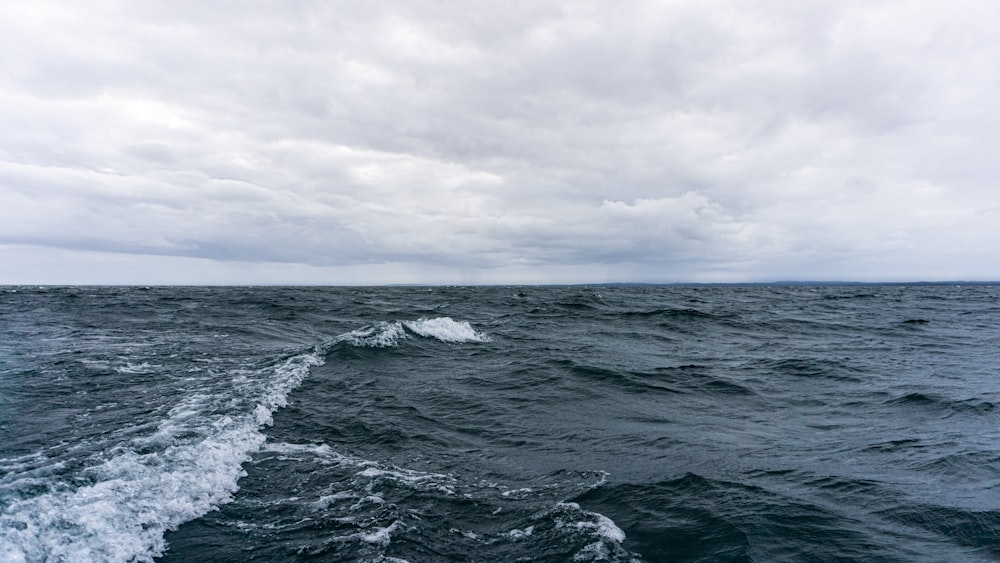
(529, 141)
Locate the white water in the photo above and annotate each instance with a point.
(389, 334)
(446, 330)
(119, 508)
(141, 489)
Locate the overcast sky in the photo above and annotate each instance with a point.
(427, 141)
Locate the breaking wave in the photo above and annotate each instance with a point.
(116, 505)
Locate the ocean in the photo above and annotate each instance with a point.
(647, 423)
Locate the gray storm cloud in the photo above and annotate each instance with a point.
(524, 141)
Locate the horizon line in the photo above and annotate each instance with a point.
(815, 283)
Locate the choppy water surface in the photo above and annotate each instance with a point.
(500, 423)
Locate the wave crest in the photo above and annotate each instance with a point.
(446, 329)
(379, 335)
(388, 334)
(189, 466)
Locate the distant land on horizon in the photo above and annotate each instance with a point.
(794, 282)
(813, 283)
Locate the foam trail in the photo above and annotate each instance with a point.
(151, 485)
(119, 507)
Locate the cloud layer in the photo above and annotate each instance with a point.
(430, 141)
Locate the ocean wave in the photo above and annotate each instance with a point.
(446, 330)
(696, 518)
(347, 507)
(813, 368)
(379, 335)
(942, 404)
(977, 530)
(687, 313)
(687, 378)
(139, 490)
(762, 424)
(389, 334)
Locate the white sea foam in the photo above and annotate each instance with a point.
(416, 479)
(446, 330)
(389, 334)
(287, 448)
(325, 501)
(598, 523)
(521, 534)
(607, 536)
(379, 335)
(133, 497)
(468, 534)
(136, 498)
(367, 500)
(517, 493)
(381, 536)
(370, 473)
(191, 464)
(130, 368)
(605, 527)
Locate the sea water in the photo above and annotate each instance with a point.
(731, 423)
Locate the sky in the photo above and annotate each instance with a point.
(517, 142)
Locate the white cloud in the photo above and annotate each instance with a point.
(524, 141)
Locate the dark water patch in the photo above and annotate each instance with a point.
(687, 378)
(893, 446)
(942, 404)
(918, 399)
(643, 382)
(724, 387)
(863, 295)
(976, 406)
(702, 379)
(977, 530)
(620, 381)
(581, 302)
(965, 464)
(837, 491)
(813, 328)
(811, 368)
(687, 313)
(693, 518)
(672, 520)
(577, 306)
(838, 488)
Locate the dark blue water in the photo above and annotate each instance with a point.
(500, 424)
